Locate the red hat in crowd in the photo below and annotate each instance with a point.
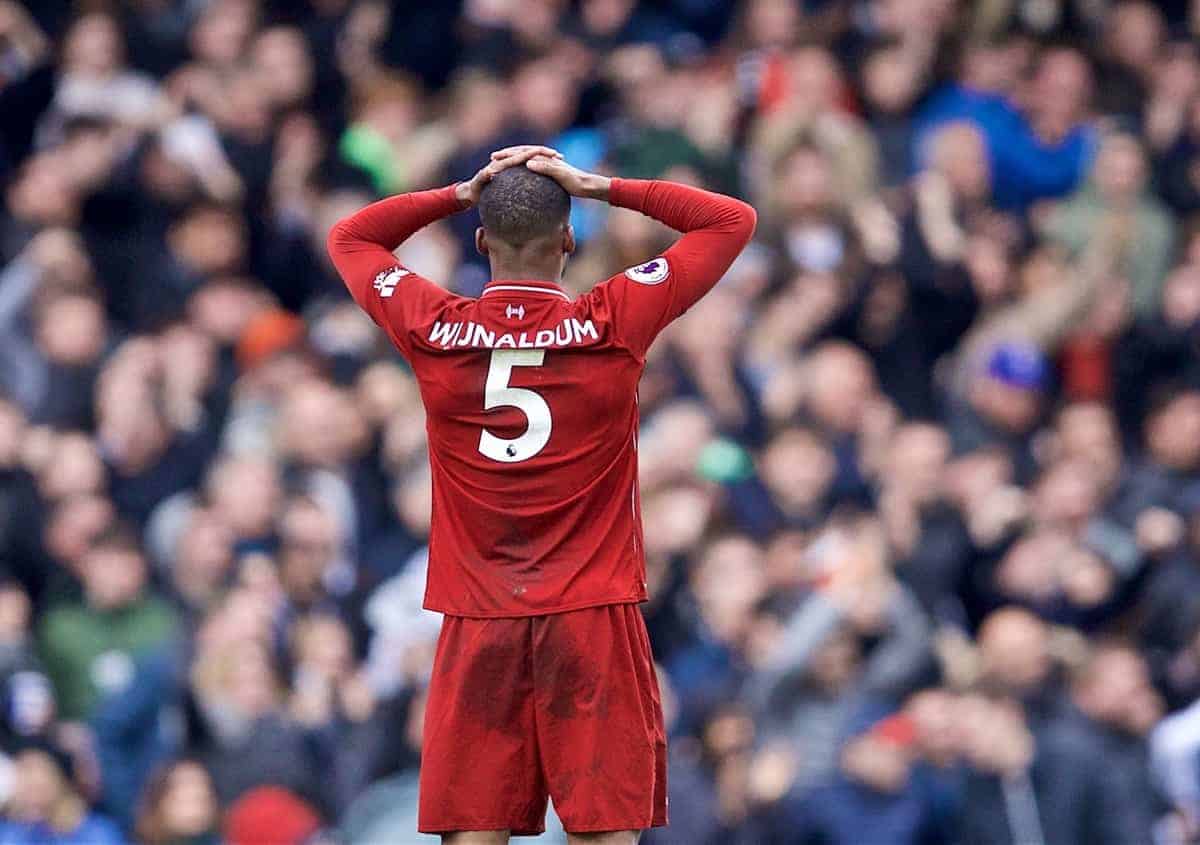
(270, 815)
(897, 729)
(267, 335)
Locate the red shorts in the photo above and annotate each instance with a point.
(565, 706)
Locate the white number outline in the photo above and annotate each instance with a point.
(498, 394)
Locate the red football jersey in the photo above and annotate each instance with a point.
(531, 399)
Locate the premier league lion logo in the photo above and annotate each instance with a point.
(652, 272)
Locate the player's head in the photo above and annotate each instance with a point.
(524, 218)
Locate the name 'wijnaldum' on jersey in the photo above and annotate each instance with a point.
(569, 332)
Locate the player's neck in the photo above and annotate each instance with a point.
(527, 272)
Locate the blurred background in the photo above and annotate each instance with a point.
(921, 475)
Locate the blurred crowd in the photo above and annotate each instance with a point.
(921, 476)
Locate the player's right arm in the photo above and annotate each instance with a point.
(715, 227)
(362, 246)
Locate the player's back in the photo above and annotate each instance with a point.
(532, 424)
(532, 399)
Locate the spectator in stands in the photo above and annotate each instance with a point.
(91, 646)
(180, 805)
(47, 807)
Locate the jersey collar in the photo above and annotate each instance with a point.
(540, 287)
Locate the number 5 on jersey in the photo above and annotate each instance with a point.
(497, 394)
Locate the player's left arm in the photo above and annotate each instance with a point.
(715, 228)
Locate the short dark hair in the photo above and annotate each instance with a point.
(59, 755)
(519, 206)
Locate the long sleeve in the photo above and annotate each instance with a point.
(707, 219)
(715, 228)
(806, 631)
(1042, 318)
(904, 652)
(361, 248)
(25, 374)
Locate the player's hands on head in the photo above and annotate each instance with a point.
(468, 192)
(522, 153)
(576, 182)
